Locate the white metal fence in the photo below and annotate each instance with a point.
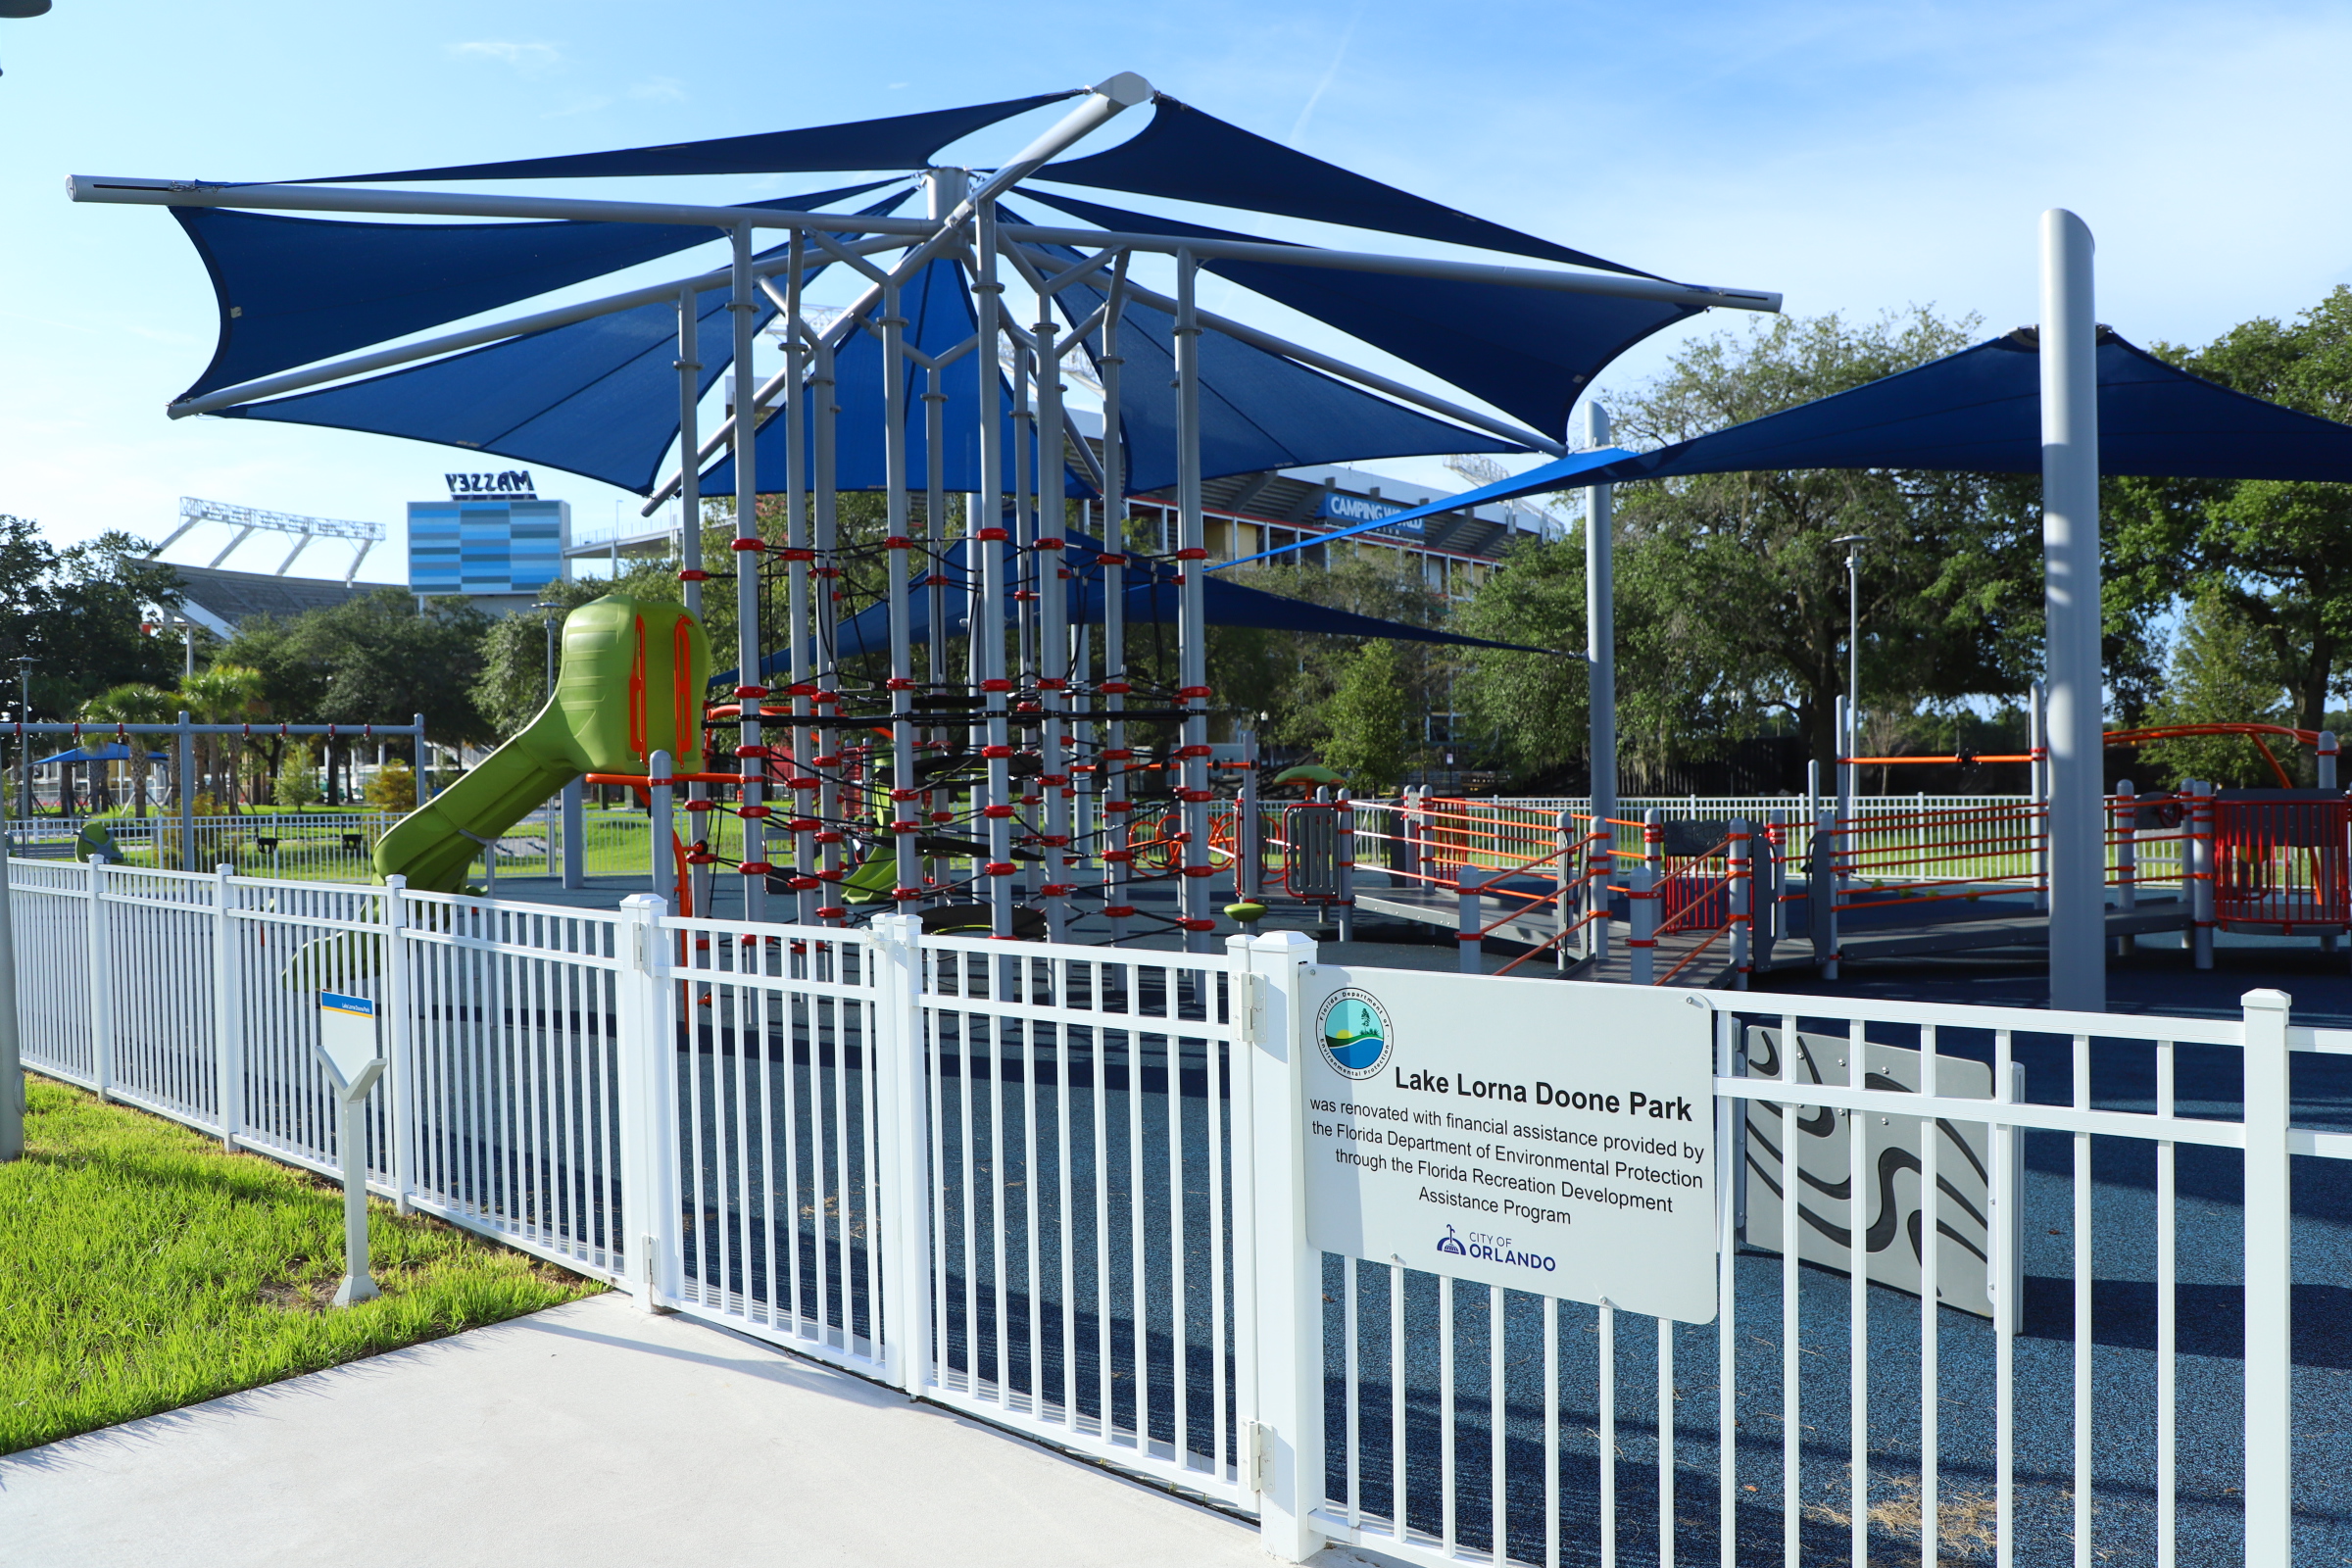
(1057, 1188)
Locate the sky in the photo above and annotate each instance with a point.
(1856, 157)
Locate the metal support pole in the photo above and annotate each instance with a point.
(689, 366)
(806, 391)
(1823, 880)
(2037, 787)
(2200, 871)
(1601, 648)
(817, 753)
(187, 794)
(1567, 877)
(1642, 946)
(1774, 925)
(1191, 621)
(1742, 900)
(350, 1147)
(1248, 830)
(661, 811)
(906, 820)
(1114, 756)
(2326, 750)
(2124, 829)
(986, 534)
(1344, 847)
(1053, 630)
(2069, 555)
(743, 307)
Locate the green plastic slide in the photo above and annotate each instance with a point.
(630, 685)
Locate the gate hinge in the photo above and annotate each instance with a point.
(1254, 1007)
(1261, 1453)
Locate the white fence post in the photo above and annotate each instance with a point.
(398, 1042)
(102, 991)
(11, 1033)
(904, 1215)
(1285, 1446)
(2269, 1276)
(229, 1044)
(648, 1121)
(1569, 878)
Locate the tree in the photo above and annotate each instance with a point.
(1536, 705)
(295, 783)
(223, 694)
(137, 704)
(2280, 552)
(1367, 719)
(2221, 673)
(1292, 677)
(81, 614)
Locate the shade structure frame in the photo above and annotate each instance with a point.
(1025, 490)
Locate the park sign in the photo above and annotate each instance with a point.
(347, 1043)
(1551, 1137)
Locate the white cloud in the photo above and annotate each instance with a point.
(530, 59)
(660, 90)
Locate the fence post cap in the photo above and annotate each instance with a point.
(2266, 1000)
(1283, 942)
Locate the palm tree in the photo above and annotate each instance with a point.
(135, 705)
(225, 694)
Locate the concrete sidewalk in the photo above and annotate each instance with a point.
(589, 1434)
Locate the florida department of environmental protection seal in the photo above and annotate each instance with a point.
(1352, 1030)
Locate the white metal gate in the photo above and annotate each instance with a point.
(1057, 1188)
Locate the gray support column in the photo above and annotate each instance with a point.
(1191, 625)
(1054, 670)
(742, 304)
(187, 794)
(1116, 837)
(1600, 627)
(2070, 557)
(576, 833)
(817, 751)
(689, 366)
(986, 531)
(905, 816)
(802, 396)
(661, 814)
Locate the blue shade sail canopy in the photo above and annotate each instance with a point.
(1187, 154)
(939, 318)
(901, 141)
(1258, 410)
(295, 290)
(1151, 599)
(1980, 412)
(597, 398)
(1529, 352)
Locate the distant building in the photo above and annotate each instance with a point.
(221, 601)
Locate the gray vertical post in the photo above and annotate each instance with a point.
(351, 1142)
(1600, 636)
(12, 1061)
(905, 815)
(1743, 903)
(743, 306)
(1248, 833)
(807, 392)
(2037, 787)
(2200, 872)
(1342, 846)
(1192, 620)
(2124, 829)
(688, 366)
(2070, 557)
(576, 833)
(1642, 946)
(2326, 750)
(187, 794)
(664, 867)
(986, 534)
(1114, 753)
(1566, 879)
(1053, 629)
(820, 877)
(1821, 892)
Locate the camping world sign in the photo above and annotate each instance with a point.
(1547, 1136)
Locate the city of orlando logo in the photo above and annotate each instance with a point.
(1353, 1032)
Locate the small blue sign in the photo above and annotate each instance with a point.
(332, 1003)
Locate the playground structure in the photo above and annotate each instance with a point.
(983, 767)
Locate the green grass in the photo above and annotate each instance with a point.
(142, 1269)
